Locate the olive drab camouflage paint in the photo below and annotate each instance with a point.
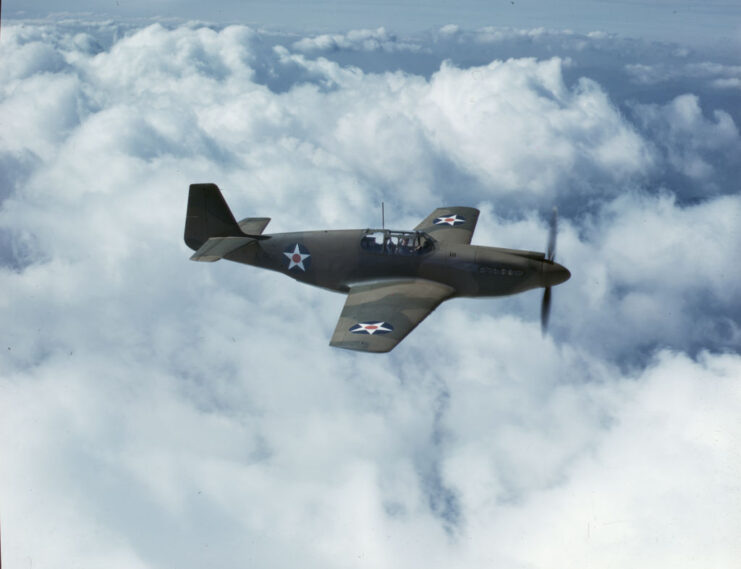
(393, 279)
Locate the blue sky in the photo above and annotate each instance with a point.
(162, 413)
(716, 22)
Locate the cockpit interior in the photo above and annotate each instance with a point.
(388, 242)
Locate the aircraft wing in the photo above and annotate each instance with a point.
(451, 225)
(379, 315)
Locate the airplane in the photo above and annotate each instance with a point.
(393, 279)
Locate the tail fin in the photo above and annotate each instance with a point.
(208, 216)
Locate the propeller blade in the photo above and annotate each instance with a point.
(551, 249)
(545, 310)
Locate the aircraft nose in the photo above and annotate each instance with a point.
(554, 274)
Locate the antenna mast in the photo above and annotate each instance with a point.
(383, 217)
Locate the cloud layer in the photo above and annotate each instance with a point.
(161, 413)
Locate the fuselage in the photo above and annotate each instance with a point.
(337, 259)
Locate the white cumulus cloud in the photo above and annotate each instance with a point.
(162, 413)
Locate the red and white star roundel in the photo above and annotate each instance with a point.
(371, 328)
(298, 257)
(451, 220)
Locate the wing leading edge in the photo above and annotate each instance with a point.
(451, 225)
(378, 316)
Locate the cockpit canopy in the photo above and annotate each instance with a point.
(396, 242)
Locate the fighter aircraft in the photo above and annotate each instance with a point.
(393, 279)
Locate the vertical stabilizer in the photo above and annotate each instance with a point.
(208, 216)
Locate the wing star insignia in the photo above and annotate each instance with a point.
(371, 328)
(451, 220)
(297, 257)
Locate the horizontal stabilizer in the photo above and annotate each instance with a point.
(254, 225)
(217, 247)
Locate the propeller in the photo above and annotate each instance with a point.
(545, 307)
(551, 250)
(545, 310)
